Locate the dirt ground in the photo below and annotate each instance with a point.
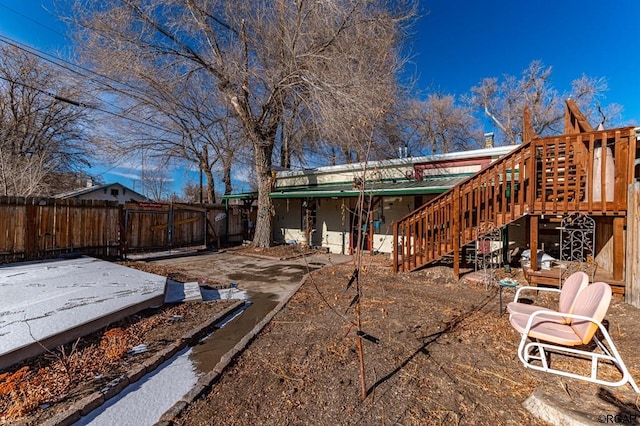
(443, 355)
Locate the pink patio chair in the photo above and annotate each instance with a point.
(572, 286)
(545, 335)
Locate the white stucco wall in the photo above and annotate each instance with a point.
(333, 222)
(394, 208)
(288, 220)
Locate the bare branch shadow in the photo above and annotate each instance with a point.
(628, 413)
(451, 326)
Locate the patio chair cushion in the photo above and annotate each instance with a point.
(592, 302)
(572, 286)
(547, 329)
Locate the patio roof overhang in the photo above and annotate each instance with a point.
(435, 185)
(429, 185)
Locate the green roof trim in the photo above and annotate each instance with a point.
(241, 196)
(426, 186)
(377, 182)
(431, 185)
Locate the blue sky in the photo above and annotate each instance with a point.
(456, 44)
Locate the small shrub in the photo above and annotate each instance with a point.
(17, 394)
(115, 343)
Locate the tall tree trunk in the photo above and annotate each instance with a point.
(347, 155)
(211, 193)
(285, 152)
(264, 223)
(205, 167)
(226, 177)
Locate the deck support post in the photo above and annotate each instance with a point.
(618, 248)
(455, 232)
(395, 248)
(533, 241)
(632, 285)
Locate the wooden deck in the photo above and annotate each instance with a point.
(552, 277)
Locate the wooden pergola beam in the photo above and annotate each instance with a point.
(574, 120)
(527, 127)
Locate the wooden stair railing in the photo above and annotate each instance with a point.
(553, 175)
(498, 194)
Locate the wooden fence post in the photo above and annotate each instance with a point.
(632, 288)
(31, 231)
(122, 224)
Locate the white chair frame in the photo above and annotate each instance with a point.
(529, 287)
(527, 353)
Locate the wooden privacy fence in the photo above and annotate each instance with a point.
(36, 228)
(39, 228)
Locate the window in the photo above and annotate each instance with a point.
(114, 192)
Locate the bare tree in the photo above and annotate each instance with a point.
(190, 193)
(338, 57)
(155, 183)
(42, 131)
(504, 101)
(440, 125)
(185, 119)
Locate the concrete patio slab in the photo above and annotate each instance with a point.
(46, 304)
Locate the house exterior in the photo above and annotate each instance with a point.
(109, 192)
(322, 207)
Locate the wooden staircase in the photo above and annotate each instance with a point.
(543, 176)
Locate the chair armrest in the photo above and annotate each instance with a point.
(552, 290)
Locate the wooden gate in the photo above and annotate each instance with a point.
(156, 226)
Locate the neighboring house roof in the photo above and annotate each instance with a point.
(88, 190)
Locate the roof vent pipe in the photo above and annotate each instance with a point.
(403, 151)
(488, 140)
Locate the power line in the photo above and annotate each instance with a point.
(58, 61)
(81, 104)
(71, 68)
(103, 81)
(45, 57)
(32, 20)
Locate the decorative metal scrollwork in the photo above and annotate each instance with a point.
(488, 252)
(577, 245)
